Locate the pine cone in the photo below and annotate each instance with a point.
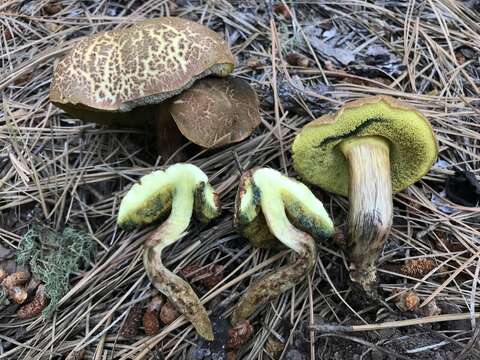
(11, 285)
(418, 268)
(35, 307)
(239, 335)
(407, 301)
(151, 323)
(132, 323)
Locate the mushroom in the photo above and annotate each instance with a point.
(228, 108)
(129, 76)
(178, 192)
(367, 150)
(270, 207)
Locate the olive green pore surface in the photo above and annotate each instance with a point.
(248, 218)
(413, 148)
(206, 205)
(146, 202)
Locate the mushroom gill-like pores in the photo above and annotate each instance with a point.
(105, 76)
(272, 208)
(179, 192)
(216, 111)
(367, 150)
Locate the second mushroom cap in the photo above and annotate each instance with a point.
(216, 111)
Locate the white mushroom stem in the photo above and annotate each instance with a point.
(371, 208)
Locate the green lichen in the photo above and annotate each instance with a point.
(53, 256)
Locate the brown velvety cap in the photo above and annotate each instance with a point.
(216, 111)
(144, 64)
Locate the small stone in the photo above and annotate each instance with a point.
(296, 59)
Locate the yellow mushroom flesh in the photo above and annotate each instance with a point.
(182, 190)
(293, 216)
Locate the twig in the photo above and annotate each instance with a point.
(393, 324)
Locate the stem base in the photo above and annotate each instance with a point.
(371, 208)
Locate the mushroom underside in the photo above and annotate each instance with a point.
(265, 203)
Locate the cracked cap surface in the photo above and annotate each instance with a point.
(413, 147)
(143, 64)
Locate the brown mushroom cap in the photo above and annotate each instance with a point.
(144, 64)
(216, 111)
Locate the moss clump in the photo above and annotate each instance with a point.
(53, 256)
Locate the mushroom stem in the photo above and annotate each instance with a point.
(179, 292)
(371, 208)
(168, 137)
(269, 287)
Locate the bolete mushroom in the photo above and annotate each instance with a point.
(128, 77)
(272, 208)
(367, 150)
(149, 62)
(178, 192)
(228, 109)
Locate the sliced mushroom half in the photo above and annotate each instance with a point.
(271, 208)
(177, 193)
